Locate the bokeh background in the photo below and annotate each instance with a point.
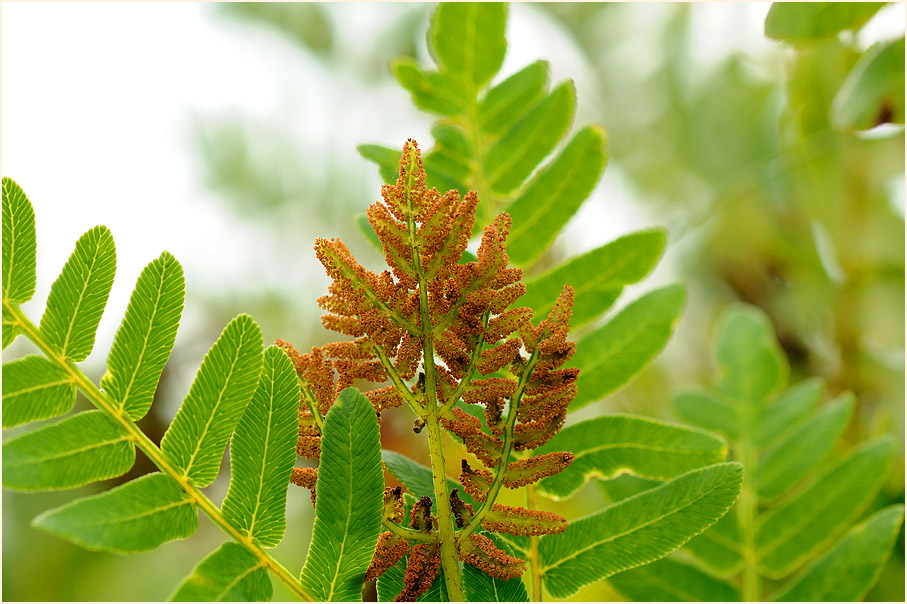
(227, 135)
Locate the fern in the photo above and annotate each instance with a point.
(439, 327)
(491, 138)
(238, 391)
(439, 332)
(501, 403)
(799, 500)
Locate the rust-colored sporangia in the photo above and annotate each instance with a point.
(422, 567)
(390, 549)
(437, 333)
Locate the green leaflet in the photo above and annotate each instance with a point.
(196, 439)
(78, 450)
(368, 231)
(388, 160)
(554, 195)
(782, 466)
(784, 437)
(350, 500)
(78, 296)
(444, 172)
(430, 90)
(390, 584)
(451, 140)
(667, 580)
(847, 572)
(608, 446)
(597, 277)
(719, 547)
(787, 411)
(625, 485)
(479, 587)
(637, 530)
(706, 410)
(230, 574)
(10, 328)
(135, 517)
(19, 245)
(468, 39)
(263, 451)
(750, 359)
(504, 104)
(612, 355)
(449, 163)
(808, 21)
(418, 478)
(146, 336)
(873, 92)
(516, 154)
(35, 388)
(789, 534)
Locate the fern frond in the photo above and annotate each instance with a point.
(95, 445)
(448, 318)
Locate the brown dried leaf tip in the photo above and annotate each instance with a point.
(431, 305)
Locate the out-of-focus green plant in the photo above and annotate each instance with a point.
(770, 203)
(795, 521)
(873, 91)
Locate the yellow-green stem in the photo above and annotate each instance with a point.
(746, 514)
(406, 533)
(470, 370)
(448, 544)
(103, 402)
(398, 382)
(535, 576)
(312, 404)
(449, 557)
(495, 487)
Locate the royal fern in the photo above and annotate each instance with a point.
(446, 333)
(430, 305)
(442, 329)
(240, 391)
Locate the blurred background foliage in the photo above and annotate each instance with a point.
(773, 192)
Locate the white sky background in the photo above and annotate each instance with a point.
(97, 109)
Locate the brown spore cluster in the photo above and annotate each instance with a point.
(438, 333)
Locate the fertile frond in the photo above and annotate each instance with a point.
(436, 331)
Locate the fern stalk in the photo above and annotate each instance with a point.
(747, 516)
(535, 574)
(434, 308)
(452, 579)
(449, 557)
(312, 404)
(154, 453)
(492, 494)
